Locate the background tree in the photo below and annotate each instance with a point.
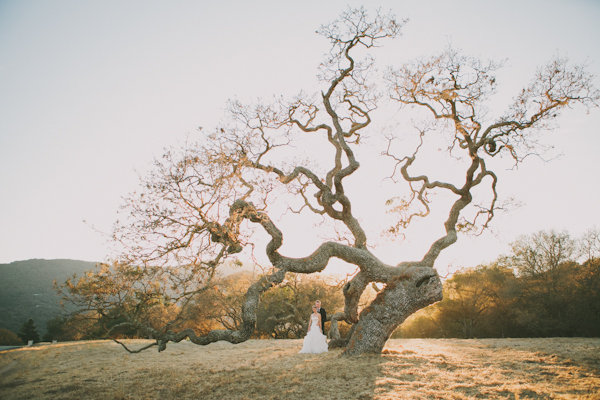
(501, 288)
(29, 332)
(542, 253)
(478, 302)
(9, 338)
(588, 293)
(424, 323)
(202, 204)
(55, 330)
(550, 276)
(467, 301)
(284, 312)
(589, 244)
(220, 307)
(537, 291)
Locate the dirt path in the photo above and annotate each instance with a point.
(273, 369)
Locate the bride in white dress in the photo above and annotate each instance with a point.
(314, 341)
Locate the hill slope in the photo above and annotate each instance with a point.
(26, 290)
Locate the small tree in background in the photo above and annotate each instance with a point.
(9, 338)
(54, 329)
(29, 332)
(540, 290)
(60, 328)
(285, 311)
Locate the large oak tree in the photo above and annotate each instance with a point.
(201, 205)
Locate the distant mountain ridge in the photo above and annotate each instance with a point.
(26, 290)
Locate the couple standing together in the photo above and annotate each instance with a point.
(315, 339)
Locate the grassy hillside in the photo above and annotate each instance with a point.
(26, 290)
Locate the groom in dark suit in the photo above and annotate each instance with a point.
(323, 313)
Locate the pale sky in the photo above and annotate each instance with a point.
(90, 92)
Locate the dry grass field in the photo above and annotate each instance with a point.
(558, 368)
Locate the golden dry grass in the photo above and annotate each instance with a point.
(558, 368)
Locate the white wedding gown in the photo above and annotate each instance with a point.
(314, 341)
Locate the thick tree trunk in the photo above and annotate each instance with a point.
(404, 295)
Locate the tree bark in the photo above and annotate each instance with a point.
(404, 295)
